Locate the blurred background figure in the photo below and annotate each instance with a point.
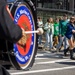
(49, 31)
(40, 25)
(56, 32)
(70, 34)
(62, 31)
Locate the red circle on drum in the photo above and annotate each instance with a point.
(24, 23)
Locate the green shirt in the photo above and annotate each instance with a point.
(63, 27)
(56, 29)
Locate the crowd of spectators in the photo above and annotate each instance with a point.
(59, 33)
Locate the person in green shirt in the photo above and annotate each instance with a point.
(62, 31)
(56, 32)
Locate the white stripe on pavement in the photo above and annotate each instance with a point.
(41, 58)
(43, 54)
(39, 55)
(48, 62)
(43, 70)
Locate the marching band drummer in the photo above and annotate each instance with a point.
(8, 29)
(70, 34)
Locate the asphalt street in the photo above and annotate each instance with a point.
(48, 63)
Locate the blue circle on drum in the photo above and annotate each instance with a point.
(23, 10)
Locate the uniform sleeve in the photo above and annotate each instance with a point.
(8, 29)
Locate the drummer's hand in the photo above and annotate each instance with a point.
(23, 39)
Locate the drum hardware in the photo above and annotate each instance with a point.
(12, 53)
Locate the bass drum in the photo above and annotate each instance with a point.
(24, 14)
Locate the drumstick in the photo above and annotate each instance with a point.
(29, 32)
(39, 31)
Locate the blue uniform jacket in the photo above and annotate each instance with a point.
(69, 33)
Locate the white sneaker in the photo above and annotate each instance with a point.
(54, 48)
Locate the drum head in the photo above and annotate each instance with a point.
(24, 16)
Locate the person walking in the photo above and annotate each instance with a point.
(62, 31)
(49, 31)
(40, 25)
(56, 32)
(70, 34)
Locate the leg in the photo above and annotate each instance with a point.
(51, 41)
(71, 43)
(60, 43)
(55, 41)
(40, 39)
(47, 40)
(66, 49)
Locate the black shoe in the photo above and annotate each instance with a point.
(71, 55)
(74, 50)
(72, 58)
(65, 51)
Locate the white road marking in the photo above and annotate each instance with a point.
(43, 70)
(43, 54)
(40, 58)
(39, 55)
(48, 62)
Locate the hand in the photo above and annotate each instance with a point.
(48, 27)
(73, 31)
(23, 39)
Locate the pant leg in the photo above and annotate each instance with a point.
(51, 41)
(66, 44)
(40, 39)
(55, 41)
(47, 40)
(54, 44)
(60, 42)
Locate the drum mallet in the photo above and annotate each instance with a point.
(39, 31)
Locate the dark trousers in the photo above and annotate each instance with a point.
(3, 71)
